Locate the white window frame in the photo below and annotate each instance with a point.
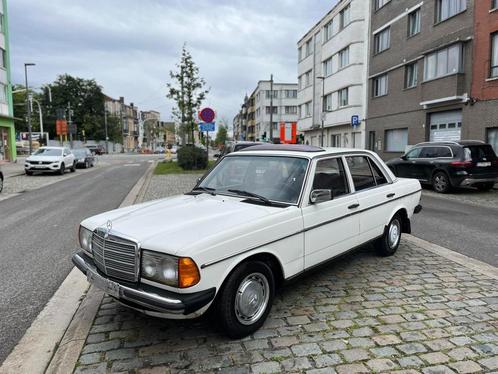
(343, 55)
(327, 67)
(345, 17)
(494, 55)
(327, 103)
(341, 95)
(441, 59)
(415, 15)
(414, 75)
(380, 4)
(382, 40)
(445, 9)
(328, 31)
(380, 90)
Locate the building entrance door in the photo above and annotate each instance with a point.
(446, 126)
(4, 147)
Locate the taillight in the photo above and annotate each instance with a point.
(463, 164)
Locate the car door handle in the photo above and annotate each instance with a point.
(354, 206)
(389, 195)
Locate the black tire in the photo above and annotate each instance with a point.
(1, 184)
(388, 244)
(441, 183)
(230, 302)
(62, 169)
(28, 172)
(485, 186)
(73, 168)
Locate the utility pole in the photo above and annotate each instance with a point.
(106, 135)
(324, 110)
(122, 125)
(28, 106)
(70, 123)
(271, 108)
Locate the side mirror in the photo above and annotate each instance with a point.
(319, 196)
(404, 158)
(217, 155)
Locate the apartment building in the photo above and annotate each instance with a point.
(7, 130)
(484, 90)
(420, 74)
(332, 71)
(283, 104)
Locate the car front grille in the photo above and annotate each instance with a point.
(115, 256)
(41, 162)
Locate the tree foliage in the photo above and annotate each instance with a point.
(221, 135)
(187, 89)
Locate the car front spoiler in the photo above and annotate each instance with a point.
(144, 297)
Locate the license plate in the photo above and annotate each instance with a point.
(109, 287)
(483, 164)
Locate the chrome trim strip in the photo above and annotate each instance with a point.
(210, 263)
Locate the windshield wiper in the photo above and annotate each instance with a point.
(208, 190)
(252, 194)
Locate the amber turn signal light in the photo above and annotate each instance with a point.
(188, 273)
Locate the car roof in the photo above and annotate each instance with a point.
(299, 150)
(51, 147)
(457, 143)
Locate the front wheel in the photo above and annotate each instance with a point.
(73, 168)
(388, 244)
(441, 182)
(62, 169)
(246, 298)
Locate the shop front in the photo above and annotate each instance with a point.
(7, 140)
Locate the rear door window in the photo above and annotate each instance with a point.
(330, 175)
(428, 152)
(360, 172)
(443, 152)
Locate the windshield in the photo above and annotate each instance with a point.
(478, 153)
(48, 152)
(79, 152)
(278, 179)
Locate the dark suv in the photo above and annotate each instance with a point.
(449, 164)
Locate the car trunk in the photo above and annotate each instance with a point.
(484, 160)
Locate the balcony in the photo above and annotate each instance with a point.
(443, 90)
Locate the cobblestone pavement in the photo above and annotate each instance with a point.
(469, 196)
(413, 312)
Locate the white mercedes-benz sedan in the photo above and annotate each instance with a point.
(260, 217)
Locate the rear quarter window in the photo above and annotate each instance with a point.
(479, 153)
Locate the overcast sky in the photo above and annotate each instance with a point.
(129, 46)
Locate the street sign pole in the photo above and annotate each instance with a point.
(207, 146)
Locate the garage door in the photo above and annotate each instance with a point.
(446, 126)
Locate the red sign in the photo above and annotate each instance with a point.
(207, 115)
(288, 132)
(61, 127)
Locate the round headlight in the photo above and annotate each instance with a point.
(149, 268)
(169, 269)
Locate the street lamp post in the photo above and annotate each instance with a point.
(106, 134)
(28, 106)
(322, 115)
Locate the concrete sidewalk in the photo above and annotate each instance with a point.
(12, 169)
(415, 312)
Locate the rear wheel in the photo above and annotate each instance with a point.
(388, 244)
(246, 298)
(1, 184)
(73, 168)
(441, 182)
(485, 186)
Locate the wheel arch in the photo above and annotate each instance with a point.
(405, 221)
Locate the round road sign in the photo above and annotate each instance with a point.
(207, 115)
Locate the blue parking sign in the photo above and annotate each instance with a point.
(206, 126)
(355, 120)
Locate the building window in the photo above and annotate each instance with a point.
(396, 140)
(380, 84)
(335, 140)
(307, 109)
(382, 40)
(344, 57)
(328, 31)
(309, 48)
(411, 72)
(275, 110)
(448, 8)
(3, 93)
(327, 103)
(345, 17)
(494, 4)
(380, 3)
(494, 55)
(443, 62)
(414, 22)
(275, 94)
(291, 109)
(290, 94)
(327, 67)
(2, 58)
(343, 97)
(307, 79)
(300, 53)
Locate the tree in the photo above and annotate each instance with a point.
(221, 135)
(188, 91)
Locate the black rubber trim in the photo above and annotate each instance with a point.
(417, 209)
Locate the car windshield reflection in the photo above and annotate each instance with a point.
(278, 179)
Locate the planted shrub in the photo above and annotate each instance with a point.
(192, 158)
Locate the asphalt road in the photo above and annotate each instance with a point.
(38, 234)
(468, 229)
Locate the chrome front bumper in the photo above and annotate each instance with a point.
(144, 297)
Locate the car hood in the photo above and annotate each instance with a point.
(176, 224)
(44, 158)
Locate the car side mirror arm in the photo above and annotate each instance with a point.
(320, 196)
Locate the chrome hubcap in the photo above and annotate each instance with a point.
(252, 298)
(394, 233)
(440, 183)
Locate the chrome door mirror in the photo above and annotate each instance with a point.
(319, 196)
